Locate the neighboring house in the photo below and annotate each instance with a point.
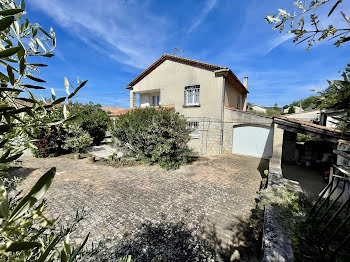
(297, 109)
(212, 99)
(308, 116)
(329, 118)
(257, 108)
(324, 117)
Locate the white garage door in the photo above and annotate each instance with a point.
(252, 141)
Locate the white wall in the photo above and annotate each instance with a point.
(170, 78)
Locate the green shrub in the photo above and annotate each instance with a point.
(156, 136)
(26, 234)
(92, 119)
(48, 142)
(76, 139)
(89, 125)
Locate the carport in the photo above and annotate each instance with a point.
(284, 127)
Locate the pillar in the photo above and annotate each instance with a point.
(132, 99)
(277, 146)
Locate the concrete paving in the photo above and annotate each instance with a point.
(214, 192)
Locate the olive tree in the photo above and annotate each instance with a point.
(311, 30)
(26, 234)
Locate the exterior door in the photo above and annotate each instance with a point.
(254, 141)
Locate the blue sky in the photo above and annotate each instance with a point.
(110, 42)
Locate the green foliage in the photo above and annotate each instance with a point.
(125, 259)
(273, 111)
(310, 30)
(269, 112)
(86, 122)
(92, 119)
(337, 95)
(26, 234)
(76, 138)
(48, 142)
(303, 138)
(156, 136)
(291, 110)
(309, 101)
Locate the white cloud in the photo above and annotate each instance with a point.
(209, 5)
(279, 40)
(126, 32)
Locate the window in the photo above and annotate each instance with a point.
(194, 127)
(155, 100)
(192, 95)
(239, 102)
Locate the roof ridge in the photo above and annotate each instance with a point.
(175, 58)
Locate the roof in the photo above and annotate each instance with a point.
(211, 67)
(125, 111)
(295, 125)
(246, 112)
(317, 111)
(111, 110)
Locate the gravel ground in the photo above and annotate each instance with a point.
(213, 193)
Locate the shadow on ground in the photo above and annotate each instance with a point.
(175, 242)
(17, 175)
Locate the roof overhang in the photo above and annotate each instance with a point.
(211, 67)
(303, 127)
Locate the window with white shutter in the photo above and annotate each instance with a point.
(192, 95)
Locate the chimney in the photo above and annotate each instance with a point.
(245, 82)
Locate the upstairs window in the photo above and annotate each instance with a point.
(194, 127)
(192, 95)
(155, 100)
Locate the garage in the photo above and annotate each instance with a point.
(252, 141)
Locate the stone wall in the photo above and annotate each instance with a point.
(208, 140)
(276, 244)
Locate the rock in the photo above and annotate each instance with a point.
(120, 155)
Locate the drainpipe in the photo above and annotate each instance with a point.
(245, 83)
(222, 73)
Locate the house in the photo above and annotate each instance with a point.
(330, 118)
(213, 100)
(312, 116)
(257, 108)
(297, 109)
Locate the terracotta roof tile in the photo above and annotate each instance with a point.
(247, 112)
(292, 120)
(231, 76)
(125, 111)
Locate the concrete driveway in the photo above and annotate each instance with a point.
(214, 192)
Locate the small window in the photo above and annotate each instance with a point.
(192, 95)
(239, 102)
(155, 100)
(194, 127)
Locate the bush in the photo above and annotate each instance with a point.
(156, 136)
(76, 139)
(48, 142)
(89, 126)
(92, 119)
